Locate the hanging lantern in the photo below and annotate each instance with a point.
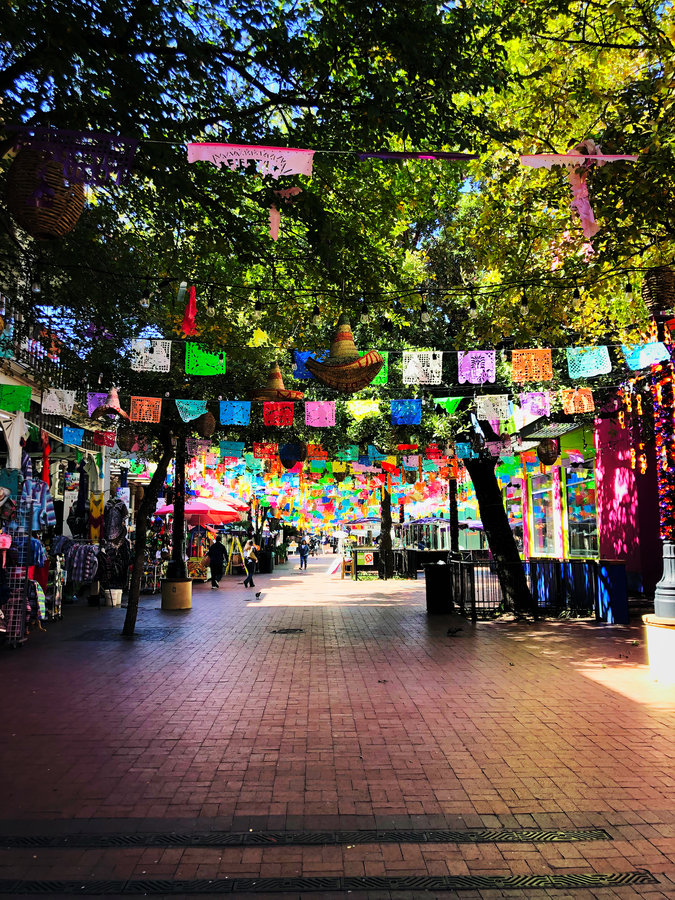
(658, 289)
(39, 198)
(339, 476)
(126, 438)
(410, 477)
(548, 451)
(205, 425)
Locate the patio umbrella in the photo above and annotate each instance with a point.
(205, 510)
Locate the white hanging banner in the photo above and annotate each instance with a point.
(57, 402)
(274, 161)
(150, 355)
(492, 406)
(422, 367)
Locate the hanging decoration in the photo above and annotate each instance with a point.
(320, 413)
(345, 369)
(150, 355)
(205, 425)
(72, 436)
(578, 161)
(274, 389)
(57, 402)
(535, 403)
(188, 326)
(87, 157)
(6, 340)
(476, 366)
(110, 406)
(548, 450)
(94, 400)
(104, 438)
(279, 414)
(14, 398)
(532, 365)
(316, 451)
(584, 362)
(197, 446)
(231, 449)
(492, 406)
(199, 361)
(422, 367)
(449, 404)
(382, 376)
(641, 356)
(398, 155)
(235, 412)
(465, 451)
(285, 195)
(146, 409)
(40, 197)
(126, 438)
(348, 454)
(300, 370)
(406, 412)
(658, 290)
(577, 400)
(363, 409)
(290, 454)
(189, 410)
(274, 161)
(264, 451)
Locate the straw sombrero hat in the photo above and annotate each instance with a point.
(274, 389)
(111, 407)
(345, 369)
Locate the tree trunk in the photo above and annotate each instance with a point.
(454, 515)
(176, 567)
(386, 555)
(510, 569)
(145, 510)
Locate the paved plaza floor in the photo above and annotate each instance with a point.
(330, 739)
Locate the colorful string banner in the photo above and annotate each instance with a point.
(57, 402)
(348, 454)
(464, 451)
(235, 412)
(278, 413)
(584, 362)
(422, 367)
(7, 342)
(382, 376)
(577, 400)
(300, 370)
(199, 361)
(476, 366)
(532, 365)
(15, 398)
(449, 404)
(640, 356)
(490, 407)
(150, 355)
(406, 412)
(316, 451)
(231, 449)
(94, 400)
(320, 413)
(274, 161)
(535, 403)
(363, 409)
(145, 409)
(104, 438)
(72, 436)
(197, 446)
(189, 410)
(264, 451)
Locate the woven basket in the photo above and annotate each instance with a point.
(39, 198)
(126, 438)
(205, 425)
(658, 289)
(548, 451)
(410, 477)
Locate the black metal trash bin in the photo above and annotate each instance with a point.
(438, 589)
(265, 562)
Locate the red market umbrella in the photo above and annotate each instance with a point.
(204, 510)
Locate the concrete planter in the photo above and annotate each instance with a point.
(177, 593)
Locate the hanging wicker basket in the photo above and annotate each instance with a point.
(339, 476)
(126, 438)
(658, 289)
(39, 198)
(205, 425)
(548, 451)
(410, 477)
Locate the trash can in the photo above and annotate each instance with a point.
(265, 562)
(612, 592)
(438, 589)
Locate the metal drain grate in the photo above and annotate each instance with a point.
(305, 838)
(288, 631)
(114, 634)
(240, 886)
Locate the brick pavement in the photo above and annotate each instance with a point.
(372, 717)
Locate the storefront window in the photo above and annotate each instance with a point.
(513, 501)
(543, 516)
(582, 519)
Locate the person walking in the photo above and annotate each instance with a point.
(250, 559)
(216, 556)
(304, 553)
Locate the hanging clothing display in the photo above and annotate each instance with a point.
(115, 520)
(96, 505)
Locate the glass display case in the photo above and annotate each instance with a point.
(582, 516)
(543, 516)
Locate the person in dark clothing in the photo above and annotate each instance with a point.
(304, 553)
(216, 558)
(250, 559)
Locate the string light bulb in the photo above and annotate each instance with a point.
(316, 315)
(257, 309)
(628, 289)
(576, 296)
(210, 306)
(35, 287)
(473, 308)
(424, 313)
(524, 306)
(145, 299)
(365, 314)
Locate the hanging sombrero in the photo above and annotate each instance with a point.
(111, 407)
(274, 389)
(345, 369)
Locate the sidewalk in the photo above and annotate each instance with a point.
(216, 746)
